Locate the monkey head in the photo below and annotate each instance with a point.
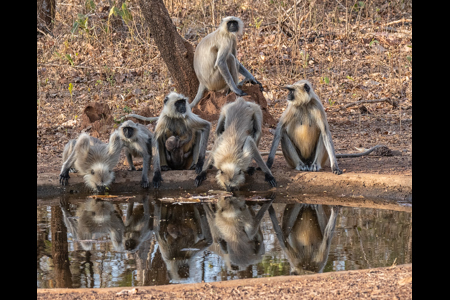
(99, 177)
(232, 25)
(230, 207)
(130, 244)
(230, 176)
(176, 106)
(300, 93)
(128, 130)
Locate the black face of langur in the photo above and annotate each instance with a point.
(128, 132)
(180, 106)
(233, 26)
(291, 95)
(130, 244)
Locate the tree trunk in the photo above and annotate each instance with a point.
(60, 252)
(177, 53)
(45, 15)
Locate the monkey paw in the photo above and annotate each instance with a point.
(144, 183)
(269, 178)
(199, 165)
(165, 168)
(64, 178)
(302, 167)
(157, 179)
(251, 171)
(200, 178)
(314, 168)
(241, 93)
(336, 171)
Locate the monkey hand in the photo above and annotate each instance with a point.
(157, 179)
(336, 171)
(199, 165)
(269, 178)
(144, 183)
(240, 93)
(64, 178)
(199, 179)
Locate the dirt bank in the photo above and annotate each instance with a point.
(386, 283)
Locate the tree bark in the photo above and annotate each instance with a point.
(177, 53)
(45, 15)
(60, 252)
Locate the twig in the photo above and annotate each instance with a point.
(371, 101)
(398, 21)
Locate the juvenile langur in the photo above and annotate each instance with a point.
(236, 229)
(215, 62)
(93, 159)
(94, 219)
(176, 119)
(138, 224)
(304, 132)
(175, 154)
(137, 141)
(238, 133)
(182, 233)
(305, 236)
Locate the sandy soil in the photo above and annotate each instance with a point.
(378, 283)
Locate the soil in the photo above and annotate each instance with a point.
(378, 283)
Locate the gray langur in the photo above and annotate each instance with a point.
(177, 120)
(304, 132)
(305, 236)
(238, 133)
(93, 220)
(237, 230)
(215, 62)
(138, 224)
(93, 159)
(137, 141)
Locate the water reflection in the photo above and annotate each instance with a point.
(182, 233)
(95, 243)
(236, 229)
(305, 235)
(93, 220)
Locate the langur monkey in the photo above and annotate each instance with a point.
(305, 236)
(238, 133)
(137, 141)
(215, 62)
(182, 233)
(94, 219)
(93, 159)
(304, 132)
(138, 224)
(236, 229)
(176, 119)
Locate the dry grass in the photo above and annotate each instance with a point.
(349, 50)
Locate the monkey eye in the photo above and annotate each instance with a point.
(92, 172)
(306, 87)
(166, 99)
(221, 172)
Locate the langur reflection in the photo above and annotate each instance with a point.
(236, 229)
(94, 219)
(305, 236)
(138, 224)
(182, 232)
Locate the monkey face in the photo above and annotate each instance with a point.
(130, 244)
(128, 132)
(230, 177)
(291, 95)
(99, 178)
(233, 26)
(175, 105)
(299, 92)
(180, 106)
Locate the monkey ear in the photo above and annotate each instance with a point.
(307, 87)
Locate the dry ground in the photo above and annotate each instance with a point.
(348, 50)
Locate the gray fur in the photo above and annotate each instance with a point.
(138, 145)
(93, 159)
(187, 125)
(215, 62)
(238, 134)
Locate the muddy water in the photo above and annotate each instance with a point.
(146, 241)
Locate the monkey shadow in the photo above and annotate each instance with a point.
(305, 235)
